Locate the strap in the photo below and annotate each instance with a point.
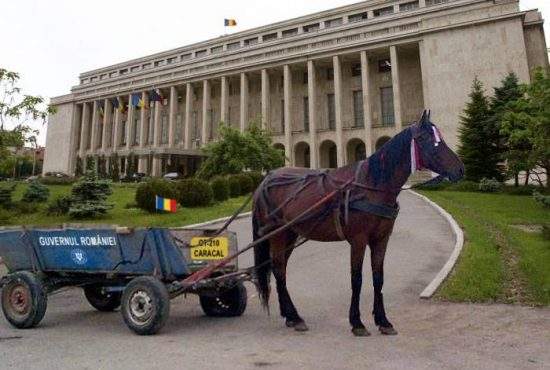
(381, 210)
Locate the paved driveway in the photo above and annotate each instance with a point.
(431, 335)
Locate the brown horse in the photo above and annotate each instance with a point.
(362, 212)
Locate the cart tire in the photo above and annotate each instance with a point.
(229, 303)
(24, 300)
(102, 301)
(145, 305)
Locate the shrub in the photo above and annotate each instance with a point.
(245, 183)
(36, 193)
(59, 206)
(234, 186)
(54, 180)
(256, 178)
(25, 208)
(89, 196)
(468, 186)
(220, 188)
(489, 185)
(5, 216)
(6, 193)
(545, 231)
(147, 191)
(543, 200)
(520, 190)
(194, 193)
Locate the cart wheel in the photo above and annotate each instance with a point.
(145, 305)
(102, 301)
(231, 302)
(24, 300)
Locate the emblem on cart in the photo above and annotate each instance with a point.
(78, 256)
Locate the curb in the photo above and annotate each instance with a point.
(218, 220)
(429, 291)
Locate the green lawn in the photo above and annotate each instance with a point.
(123, 194)
(500, 262)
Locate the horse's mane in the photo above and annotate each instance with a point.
(383, 163)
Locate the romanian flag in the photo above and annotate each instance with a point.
(165, 204)
(136, 99)
(101, 107)
(229, 22)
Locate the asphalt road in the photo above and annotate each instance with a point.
(431, 335)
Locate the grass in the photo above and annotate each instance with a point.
(500, 262)
(123, 195)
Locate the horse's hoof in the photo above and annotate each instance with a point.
(360, 332)
(388, 330)
(301, 326)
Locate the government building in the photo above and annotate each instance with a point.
(329, 87)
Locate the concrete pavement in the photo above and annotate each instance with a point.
(432, 335)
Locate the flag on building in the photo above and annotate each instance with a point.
(155, 95)
(165, 204)
(229, 22)
(101, 107)
(115, 103)
(137, 100)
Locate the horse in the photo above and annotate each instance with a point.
(362, 211)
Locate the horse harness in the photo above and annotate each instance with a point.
(348, 198)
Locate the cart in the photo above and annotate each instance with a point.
(139, 270)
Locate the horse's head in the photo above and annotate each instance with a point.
(429, 150)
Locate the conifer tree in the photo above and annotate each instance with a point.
(475, 150)
(36, 193)
(89, 196)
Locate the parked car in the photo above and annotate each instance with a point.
(173, 176)
(135, 177)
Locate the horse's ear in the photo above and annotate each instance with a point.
(424, 117)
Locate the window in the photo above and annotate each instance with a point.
(358, 109)
(171, 60)
(356, 70)
(196, 134)
(333, 22)
(383, 11)
(311, 27)
(305, 78)
(269, 37)
(306, 114)
(134, 69)
(330, 74)
(179, 128)
(200, 53)
(210, 124)
(112, 135)
(283, 115)
(250, 42)
(136, 129)
(123, 71)
(164, 129)
(384, 65)
(216, 49)
(151, 131)
(186, 56)
(358, 17)
(113, 74)
(93, 79)
(291, 32)
(103, 76)
(146, 66)
(435, 2)
(386, 103)
(123, 132)
(234, 45)
(331, 112)
(408, 6)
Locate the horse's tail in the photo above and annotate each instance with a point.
(262, 262)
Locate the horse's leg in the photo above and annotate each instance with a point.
(378, 251)
(280, 252)
(358, 246)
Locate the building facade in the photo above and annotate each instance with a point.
(330, 87)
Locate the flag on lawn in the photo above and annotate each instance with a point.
(165, 204)
(229, 22)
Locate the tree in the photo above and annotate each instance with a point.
(478, 154)
(236, 151)
(36, 193)
(526, 126)
(509, 91)
(89, 196)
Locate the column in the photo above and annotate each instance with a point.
(340, 152)
(156, 170)
(143, 131)
(84, 129)
(116, 131)
(287, 90)
(172, 107)
(422, 3)
(107, 113)
(129, 123)
(265, 99)
(312, 111)
(93, 144)
(424, 73)
(244, 101)
(224, 103)
(396, 88)
(206, 119)
(367, 109)
(188, 109)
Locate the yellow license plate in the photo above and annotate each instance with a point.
(205, 248)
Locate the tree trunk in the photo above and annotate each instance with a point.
(516, 179)
(526, 178)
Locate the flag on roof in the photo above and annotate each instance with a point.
(229, 22)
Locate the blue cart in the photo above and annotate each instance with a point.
(139, 270)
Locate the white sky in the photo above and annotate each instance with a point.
(50, 42)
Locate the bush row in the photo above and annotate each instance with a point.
(484, 186)
(195, 192)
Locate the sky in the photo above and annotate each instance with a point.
(51, 42)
